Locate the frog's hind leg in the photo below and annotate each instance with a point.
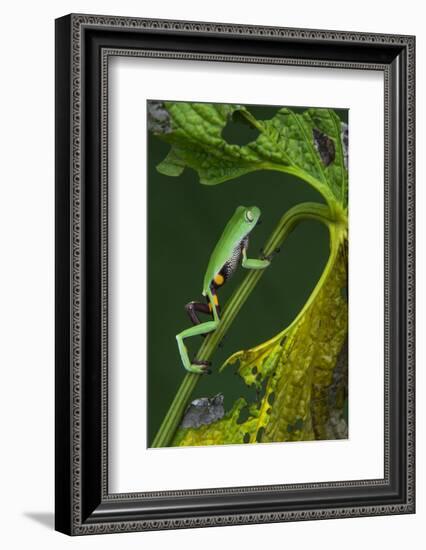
(198, 367)
(213, 302)
(214, 306)
(192, 308)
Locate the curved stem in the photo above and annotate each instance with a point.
(336, 236)
(303, 211)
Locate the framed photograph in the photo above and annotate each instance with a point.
(234, 274)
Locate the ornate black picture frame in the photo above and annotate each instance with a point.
(84, 44)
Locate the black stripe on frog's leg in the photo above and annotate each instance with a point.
(193, 307)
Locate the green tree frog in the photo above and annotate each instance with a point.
(229, 250)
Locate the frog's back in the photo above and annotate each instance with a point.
(230, 239)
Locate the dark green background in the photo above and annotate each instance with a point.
(185, 220)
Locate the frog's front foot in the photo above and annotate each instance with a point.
(270, 256)
(199, 367)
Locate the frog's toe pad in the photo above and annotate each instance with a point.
(201, 362)
(201, 366)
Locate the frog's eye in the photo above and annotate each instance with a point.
(249, 216)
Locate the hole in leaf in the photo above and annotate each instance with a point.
(244, 414)
(259, 434)
(239, 131)
(261, 391)
(298, 425)
(246, 438)
(271, 398)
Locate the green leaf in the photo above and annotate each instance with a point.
(307, 145)
(329, 124)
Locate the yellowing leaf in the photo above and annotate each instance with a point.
(225, 431)
(304, 370)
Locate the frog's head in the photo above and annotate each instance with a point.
(248, 216)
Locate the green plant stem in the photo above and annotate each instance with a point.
(303, 211)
